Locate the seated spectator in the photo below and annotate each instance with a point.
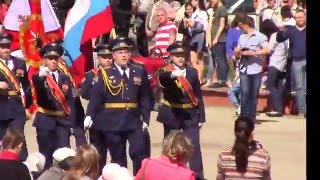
(247, 159)
(10, 165)
(177, 150)
(85, 165)
(165, 35)
(113, 171)
(35, 163)
(62, 162)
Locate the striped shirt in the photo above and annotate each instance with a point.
(259, 163)
(162, 37)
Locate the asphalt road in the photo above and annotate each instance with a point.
(284, 138)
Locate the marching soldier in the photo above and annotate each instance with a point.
(13, 73)
(182, 108)
(105, 62)
(122, 94)
(77, 111)
(54, 97)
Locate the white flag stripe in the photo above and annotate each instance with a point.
(78, 11)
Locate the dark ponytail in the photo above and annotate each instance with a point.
(243, 129)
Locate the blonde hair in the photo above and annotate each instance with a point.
(85, 163)
(177, 147)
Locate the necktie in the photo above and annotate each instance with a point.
(54, 77)
(6, 62)
(124, 75)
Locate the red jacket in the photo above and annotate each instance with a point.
(162, 168)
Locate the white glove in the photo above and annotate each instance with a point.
(144, 126)
(44, 71)
(177, 73)
(87, 122)
(200, 125)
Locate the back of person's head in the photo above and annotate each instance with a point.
(243, 129)
(113, 171)
(63, 158)
(237, 17)
(241, 16)
(268, 27)
(85, 163)
(13, 139)
(177, 147)
(286, 12)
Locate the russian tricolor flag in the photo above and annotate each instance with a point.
(87, 19)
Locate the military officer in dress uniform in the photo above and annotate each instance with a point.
(96, 137)
(182, 108)
(122, 93)
(77, 111)
(13, 75)
(54, 97)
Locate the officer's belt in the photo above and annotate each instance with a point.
(120, 105)
(51, 112)
(9, 93)
(176, 105)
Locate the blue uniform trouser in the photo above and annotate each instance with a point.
(117, 147)
(193, 132)
(18, 124)
(51, 140)
(79, 136)
(98, 140)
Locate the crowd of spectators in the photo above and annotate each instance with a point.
(211, 35)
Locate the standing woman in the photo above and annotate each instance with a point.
(247, 159)
(197, 27)
(85, 164)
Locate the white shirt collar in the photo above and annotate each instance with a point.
(177, 68)
(56, 74)
(121, 71)
(10, 63)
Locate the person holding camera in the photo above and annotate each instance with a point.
(252, 46)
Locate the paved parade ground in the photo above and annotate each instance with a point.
(284, 138)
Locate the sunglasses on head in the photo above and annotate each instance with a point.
(5, 46)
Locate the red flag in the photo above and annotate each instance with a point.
(32, 37)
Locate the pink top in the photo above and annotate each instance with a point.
(162, 168)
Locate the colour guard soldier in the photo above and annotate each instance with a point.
(96, 136)
(123, 94)
(13, 75)
(77, 111)
(54, 97)
(182, 107)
